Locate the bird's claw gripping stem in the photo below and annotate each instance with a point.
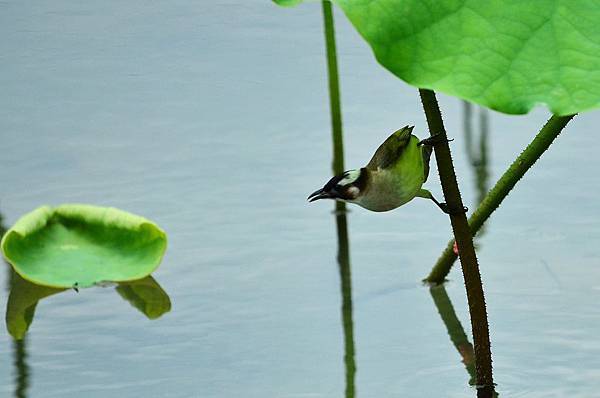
(435, 139)
(452, 212)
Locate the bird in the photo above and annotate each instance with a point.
(393, 177)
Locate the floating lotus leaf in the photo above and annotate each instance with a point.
(82, 245)
(507, 55)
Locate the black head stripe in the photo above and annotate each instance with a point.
(333, 182)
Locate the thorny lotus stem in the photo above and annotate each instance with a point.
(468, 259)
(498, 193)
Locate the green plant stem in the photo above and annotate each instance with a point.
(340, 214)
(462, 233)
(334, 95)
(505, 184)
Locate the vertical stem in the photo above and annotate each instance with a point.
(462, 233)
(500, 191)
(334, 95)
(341, 221)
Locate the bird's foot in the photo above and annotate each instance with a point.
(452, 212)
(435, 139)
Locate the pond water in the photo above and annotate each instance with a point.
(213, 120)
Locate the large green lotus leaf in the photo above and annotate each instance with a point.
(81, 245)
(507, 55)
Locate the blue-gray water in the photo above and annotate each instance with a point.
(212, 119)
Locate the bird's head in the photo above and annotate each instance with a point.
(346, 187)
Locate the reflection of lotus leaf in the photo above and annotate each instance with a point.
(82, 245)
(145, 294)
(22, 301)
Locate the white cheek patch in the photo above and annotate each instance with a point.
(351, 176)
(353, 192)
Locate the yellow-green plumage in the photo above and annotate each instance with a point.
(393, 177)
(396, 172)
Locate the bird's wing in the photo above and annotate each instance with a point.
(391, 149)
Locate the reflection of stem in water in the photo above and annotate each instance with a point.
(334, 95)
(20, 361)
(482, 165)
(455, 330)
(2, 227)
(468, 128)
(478, 156)
(346, 287)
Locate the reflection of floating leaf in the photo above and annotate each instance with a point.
(80, 245)
(147, 296)
(144, 294)
(22, 301)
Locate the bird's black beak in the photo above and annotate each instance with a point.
(319, 194)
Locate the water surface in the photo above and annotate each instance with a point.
(212, 120)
